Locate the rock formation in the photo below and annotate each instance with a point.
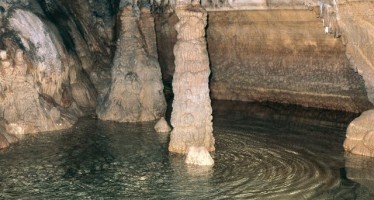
(42, 83)
(277, 55)
(136, 92)
(360, 135)
(356, 23)
(23, 103)
(4, 143)
(88, 31)
(162, 126)
(191, 117)
(5, 138)
(199, 156)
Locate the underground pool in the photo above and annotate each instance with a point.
(263, 151)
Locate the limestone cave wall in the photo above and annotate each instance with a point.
(278, 55)
(356, 21)
(54, 63)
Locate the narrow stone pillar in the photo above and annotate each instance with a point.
(192, 112)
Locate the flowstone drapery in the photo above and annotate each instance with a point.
(192, 112)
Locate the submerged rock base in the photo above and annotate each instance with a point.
(5, 138)
(191, 117)
(162, 126)
(199, 156)
(360, 135)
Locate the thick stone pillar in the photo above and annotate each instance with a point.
(136, 93)
(192, 111)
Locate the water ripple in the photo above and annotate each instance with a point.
(254, 159)
(257, 167)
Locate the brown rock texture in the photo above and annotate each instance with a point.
(191, 117)
(43, 86)
(274, 55)
(23, 105)
(284, 56)
(356, 21)
(3, 142)
(136, 92)
(360, 135)
(5, 138)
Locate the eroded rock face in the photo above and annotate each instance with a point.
(42, 83)
(191, 117)
(136, 92)
(88, 30)
(24, 106)
(360, 135)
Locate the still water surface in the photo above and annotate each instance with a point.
(262, 152)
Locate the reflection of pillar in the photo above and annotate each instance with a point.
(360, 170)
(192, 112)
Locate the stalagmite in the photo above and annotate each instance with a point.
(162, 126)
(136, 93)
(192, 112)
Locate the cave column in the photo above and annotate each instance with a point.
(136, 91)
(192, 112)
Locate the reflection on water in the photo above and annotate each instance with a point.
(262, 152)
(360, 170)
